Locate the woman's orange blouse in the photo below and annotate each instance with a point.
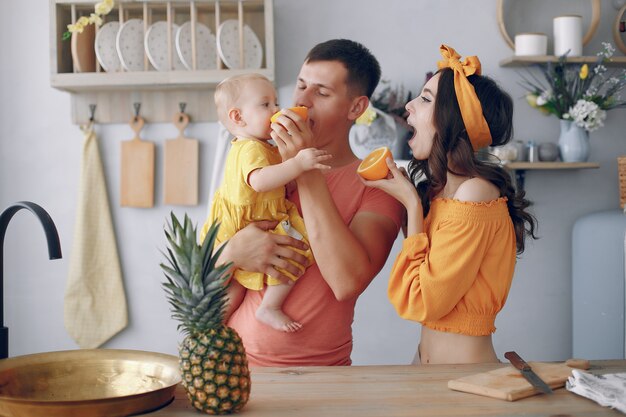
(456, 275)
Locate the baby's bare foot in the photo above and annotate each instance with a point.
(276, 319)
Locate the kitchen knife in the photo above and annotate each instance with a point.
(527, 372)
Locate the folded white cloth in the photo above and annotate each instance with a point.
(608, 390)
(95, 303)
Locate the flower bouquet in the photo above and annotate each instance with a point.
(579, 93)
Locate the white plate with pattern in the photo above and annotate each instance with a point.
(156, 47)
(206, 55)
(129, 44)
(106, 51)
(228, 45)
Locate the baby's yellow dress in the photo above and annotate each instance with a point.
(236, 204)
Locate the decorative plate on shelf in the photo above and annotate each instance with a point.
(156, 47)
(129, 42)
(206, 56)
(106, 51)
(228, 45)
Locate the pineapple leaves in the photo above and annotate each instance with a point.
(195, 287)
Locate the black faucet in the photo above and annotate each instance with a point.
(54, 251)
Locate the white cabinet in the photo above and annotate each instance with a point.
(159, 92)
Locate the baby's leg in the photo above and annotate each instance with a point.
(270, 311)
(235, 292)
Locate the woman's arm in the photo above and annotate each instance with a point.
(278, 175)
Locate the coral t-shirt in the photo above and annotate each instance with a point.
(326, 335)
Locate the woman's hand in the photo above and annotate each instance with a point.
(398, 185)
(291, 133)
(254, 249)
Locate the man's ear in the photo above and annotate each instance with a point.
(359, 105)
(235, 117)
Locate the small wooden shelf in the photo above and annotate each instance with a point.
(150, 80)
(522, 61)
(520, 168)
(550, 165)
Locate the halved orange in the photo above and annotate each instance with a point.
(302, 111)
(374, 166)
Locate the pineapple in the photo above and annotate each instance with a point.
(212, 360)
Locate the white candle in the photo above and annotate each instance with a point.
(531, 44)
(568, 35)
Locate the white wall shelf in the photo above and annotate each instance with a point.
(159, 92)
(520, 168)
(521, 61)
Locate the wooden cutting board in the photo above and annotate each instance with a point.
(181, 166)
(137, 169)
(507, 383)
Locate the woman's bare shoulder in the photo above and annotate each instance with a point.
(478, 190)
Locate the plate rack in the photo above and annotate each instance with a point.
(159, 92)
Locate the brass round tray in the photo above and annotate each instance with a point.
(90, 383)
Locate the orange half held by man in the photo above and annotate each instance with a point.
(374, 166)
(301, 111)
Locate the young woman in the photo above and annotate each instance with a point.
(465, 221)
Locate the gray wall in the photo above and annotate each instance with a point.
(40, 158)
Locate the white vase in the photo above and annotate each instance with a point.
(573, 142)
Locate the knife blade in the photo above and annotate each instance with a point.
(528, 373)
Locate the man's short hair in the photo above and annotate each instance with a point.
(363, 68)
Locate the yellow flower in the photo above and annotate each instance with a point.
(82, 21)
(532, 100)
(367, 117)
(104, 7)
(75, 28)
(94, 18)
(584, 72)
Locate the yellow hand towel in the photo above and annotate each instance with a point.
(95, 303)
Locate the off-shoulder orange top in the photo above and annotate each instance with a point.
(456, 275)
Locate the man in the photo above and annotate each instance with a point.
(351, 227)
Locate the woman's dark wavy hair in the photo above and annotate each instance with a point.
(452, 148)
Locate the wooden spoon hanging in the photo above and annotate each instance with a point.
(181, 166)
(137, 169)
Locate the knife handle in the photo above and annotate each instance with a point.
(517, 362)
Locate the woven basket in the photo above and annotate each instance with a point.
(621, 171)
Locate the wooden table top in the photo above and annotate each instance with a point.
(389, 391)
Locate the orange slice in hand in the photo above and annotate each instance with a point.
(374, 166)
(302, 111)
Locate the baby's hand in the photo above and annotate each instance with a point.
(311, 158)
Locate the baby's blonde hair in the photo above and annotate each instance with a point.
(228, 91)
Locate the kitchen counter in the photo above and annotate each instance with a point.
(387, 391)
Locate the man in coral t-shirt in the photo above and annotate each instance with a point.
(351, 227)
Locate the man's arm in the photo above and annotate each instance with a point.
(348, 256)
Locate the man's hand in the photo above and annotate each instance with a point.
(291, 134)
(254, 249)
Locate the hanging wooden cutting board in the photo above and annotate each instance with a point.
(508, 383)
(137, 169)
(181, 166)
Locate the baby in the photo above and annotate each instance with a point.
(253, 187)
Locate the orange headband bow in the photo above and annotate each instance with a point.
(471, 110)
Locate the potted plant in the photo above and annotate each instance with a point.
(579, 95)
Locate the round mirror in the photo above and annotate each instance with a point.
(522, 16)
